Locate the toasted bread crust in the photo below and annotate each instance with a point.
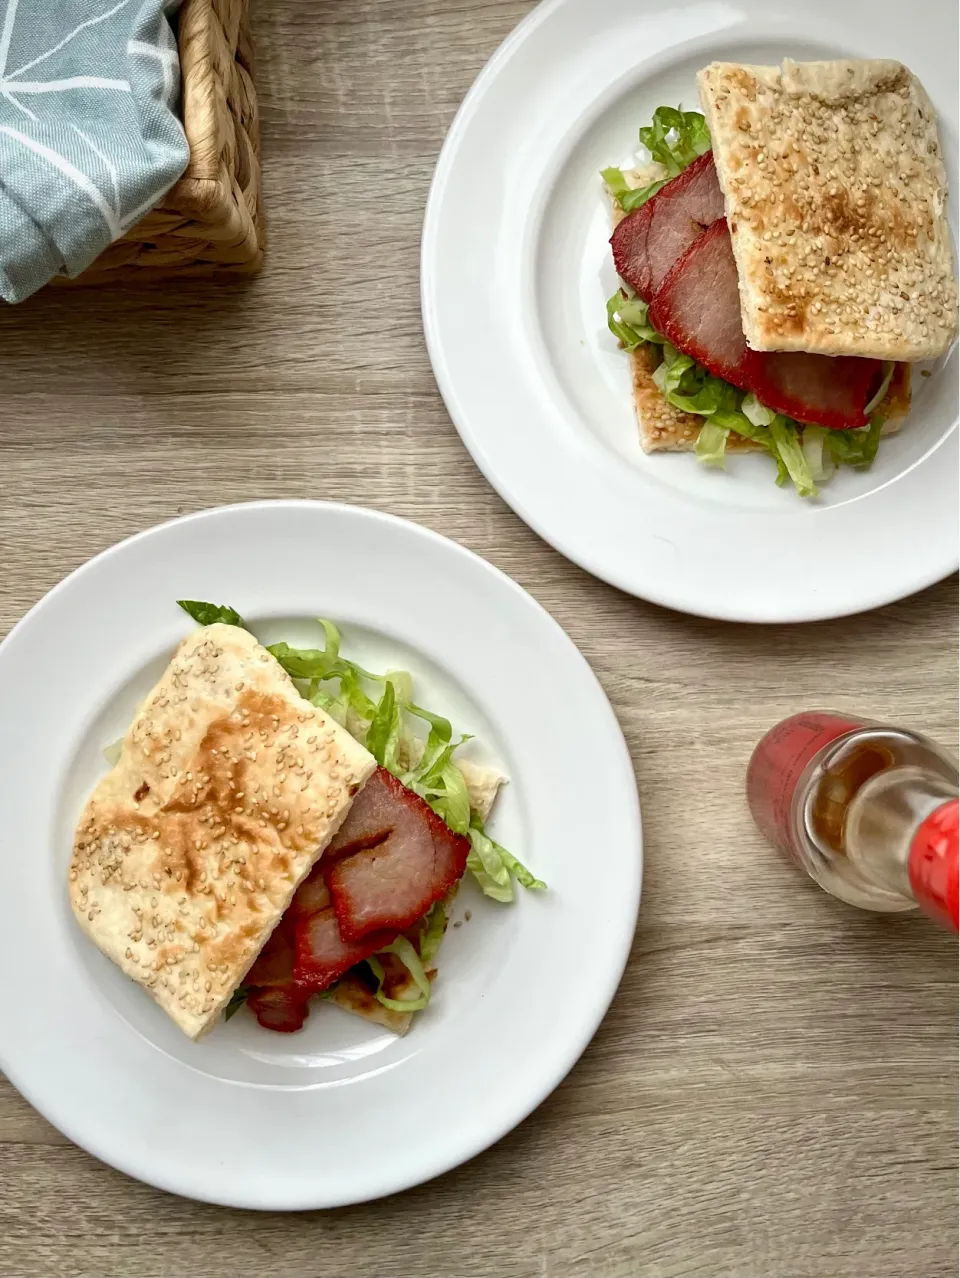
(187, 853)
(835, 191)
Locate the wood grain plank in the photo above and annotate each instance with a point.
(773, 1094)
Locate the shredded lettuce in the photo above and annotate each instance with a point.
(113, 751)
(410, 959)
(208, 614)
(674, 139)
(755, 412)
(494, 867)
(786, 439)
(627, 321)
(856, 448)
(711, 447)
(239, 995)
(627, 196)
(432, 932)
(814, 444)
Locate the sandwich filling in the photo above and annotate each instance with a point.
(672, 247)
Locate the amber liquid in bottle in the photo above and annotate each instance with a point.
(869, 811)
(864, 801)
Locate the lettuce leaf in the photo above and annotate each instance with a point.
(410, 959)
(432, 932)
(786, 440)
(674, 139)
(494, 867)
(881, 394)
(815, 450)
(442, 786)
(627, 321)
(627, 196)
(239, 995)
(711, 447)
(207, 614)
(383, 734)
(856, 448)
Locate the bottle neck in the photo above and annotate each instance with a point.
(896, 834)
(932, 866)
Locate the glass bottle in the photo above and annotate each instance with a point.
(869, 811)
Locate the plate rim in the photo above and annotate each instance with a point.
(550, 1076)
(938, 565)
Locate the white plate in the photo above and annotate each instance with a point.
(342, 1111)
(516, 270)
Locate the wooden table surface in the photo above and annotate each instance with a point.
(773, 1093)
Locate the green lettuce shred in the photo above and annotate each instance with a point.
(856, 448)
(495, 868)
(814, 443)
(208, 614)
(786, 439)
(674, 139)
(627, 321)
(711, 447)
(432, 932)
(237, 998)
(627, 196)
(408, 956)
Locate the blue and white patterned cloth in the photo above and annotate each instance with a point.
(90, 135)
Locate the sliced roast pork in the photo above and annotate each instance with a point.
(697, 308)
(648, 241)
(390, 861)
(392, 883)
(323, 954)
(281, 1007)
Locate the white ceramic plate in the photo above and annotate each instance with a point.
(516, 270)
(342, 1111)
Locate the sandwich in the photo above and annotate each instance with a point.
(786, 259)
(269, 832)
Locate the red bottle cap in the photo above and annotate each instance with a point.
(932, 865)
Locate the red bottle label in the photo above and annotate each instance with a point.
(933, 865)
(778, 763)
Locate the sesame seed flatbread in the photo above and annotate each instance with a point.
(835, 193)
(228, 788)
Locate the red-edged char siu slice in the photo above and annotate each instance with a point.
(323, 954)
(697, 308)
(282, 1008)
(394, 882)
(648, 241)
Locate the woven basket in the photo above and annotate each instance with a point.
(211, 219)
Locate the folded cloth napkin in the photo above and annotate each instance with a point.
(90, 137)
